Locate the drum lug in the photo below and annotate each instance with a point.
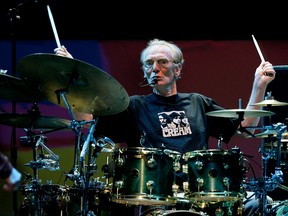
(150, 186)
(199, 165)
(226, 181)
(186, 187)
(119, 184)
(120, 162)
(175, 189)
(176, 166)
(185, 168)
(152, 163)
(200, 182)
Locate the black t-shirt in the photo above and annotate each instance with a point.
(178, 122)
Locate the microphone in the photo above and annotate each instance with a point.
(153, 82)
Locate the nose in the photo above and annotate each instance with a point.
(156, 67)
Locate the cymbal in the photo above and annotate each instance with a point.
(25, 121)
(88, 88)
(267, 134)
(235, 113)
(271, 102)
(15, 89)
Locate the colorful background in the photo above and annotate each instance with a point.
(221, 69)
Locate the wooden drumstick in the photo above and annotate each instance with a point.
(260, 54)
(53, 27)
(258, 49)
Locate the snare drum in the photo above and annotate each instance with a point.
(143, 176)
(215, 175)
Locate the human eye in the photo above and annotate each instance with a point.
(148, 63)
(163, 61)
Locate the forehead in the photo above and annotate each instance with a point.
(158, 51)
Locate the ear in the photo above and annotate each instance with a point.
(178, 69)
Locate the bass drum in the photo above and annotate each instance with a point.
(144, 176)
(215, 175)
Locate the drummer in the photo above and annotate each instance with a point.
(140, 124)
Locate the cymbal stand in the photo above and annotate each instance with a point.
(277, 177)
(265, 183)
(76, 126)
(40, 161)
(86, 148)
(35, 113)
(78, 176)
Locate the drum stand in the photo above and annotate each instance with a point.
(265, 183)
(81, 173)
(40, 161)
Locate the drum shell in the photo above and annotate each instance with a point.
(135, 167)
(215, 174)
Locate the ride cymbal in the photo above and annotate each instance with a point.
(271, 102)
(16, 90)
(87, 89)
(26, 121)
(236, 113)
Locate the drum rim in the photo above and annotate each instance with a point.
(210, 152)
(144, 199)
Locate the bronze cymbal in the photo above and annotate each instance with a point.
(25, 121)
(271, 102)
(267, 134)
(87, 89)
(15, 89)
(236, 113)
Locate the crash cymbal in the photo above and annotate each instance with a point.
(14, 89)
(25, 121)
(236, 113)
(271, 102)
(89, 89)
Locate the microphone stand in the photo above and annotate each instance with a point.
(12, 14)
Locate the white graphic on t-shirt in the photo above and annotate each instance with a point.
(174, 123)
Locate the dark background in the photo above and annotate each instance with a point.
(170, 20)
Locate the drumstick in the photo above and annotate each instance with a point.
(53, 26)
(260, 54)
(258, 49)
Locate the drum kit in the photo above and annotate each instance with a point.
(214, 179)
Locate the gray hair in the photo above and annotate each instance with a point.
(175, 50)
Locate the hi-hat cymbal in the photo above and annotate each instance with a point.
(14, 89)
(236, 113)
(271, 102)
(88, 89)
(25, 121)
